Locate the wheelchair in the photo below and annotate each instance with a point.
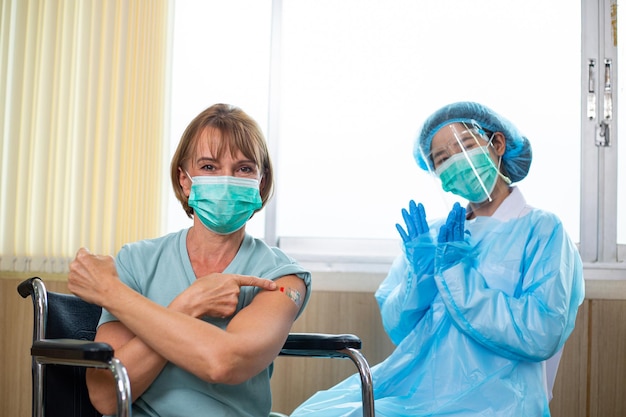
(63, 332)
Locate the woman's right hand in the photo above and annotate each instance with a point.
(419, 248)
(415, 220)
(217, 294)
(93, 277)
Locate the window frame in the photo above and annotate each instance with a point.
(599, 107)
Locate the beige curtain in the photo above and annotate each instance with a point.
(82, 122)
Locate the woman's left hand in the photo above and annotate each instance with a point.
(217, 294)
(454, 229)
(92, 277)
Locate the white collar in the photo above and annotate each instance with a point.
(513, 207)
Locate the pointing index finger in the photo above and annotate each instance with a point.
(249, 281)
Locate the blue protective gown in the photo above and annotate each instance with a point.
(475, 323)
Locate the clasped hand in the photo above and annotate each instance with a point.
(418, 245)
(454, 229)
(417, 226)
(415, 220)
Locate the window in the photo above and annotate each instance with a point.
(357, 78)
(221, 54)
(599, 127)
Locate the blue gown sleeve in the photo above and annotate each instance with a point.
(531, 323)
(407, 292)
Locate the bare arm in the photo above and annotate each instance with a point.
(142, 363)
(251, 341)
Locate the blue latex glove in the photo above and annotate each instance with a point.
(418, 244)
(454, 229)
(415, 220)
(408, 290)
(451, 244)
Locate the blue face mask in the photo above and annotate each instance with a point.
(222, 203)
(471, 175)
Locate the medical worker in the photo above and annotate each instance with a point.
(480, 304)
(198, 316)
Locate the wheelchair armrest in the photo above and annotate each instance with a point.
(25, 288)
(334, 346)
(319, 344)
(72, 352)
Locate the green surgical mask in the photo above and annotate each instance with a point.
(223, 203)
(471, 174)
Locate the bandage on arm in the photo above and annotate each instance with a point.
(291, 293)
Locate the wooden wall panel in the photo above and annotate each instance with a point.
(590, 382)
(16, 334)
(570, 388)
(17, 331)
(607, 378)
(296, 379)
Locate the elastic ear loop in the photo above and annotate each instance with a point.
(504, 177)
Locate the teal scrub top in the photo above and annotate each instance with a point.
(160, 269)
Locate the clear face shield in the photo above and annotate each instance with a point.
(460, 156)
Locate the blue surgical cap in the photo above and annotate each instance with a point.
(517, 155)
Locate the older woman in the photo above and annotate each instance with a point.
(198, 316)
(479, 304)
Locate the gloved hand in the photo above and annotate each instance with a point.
(415, 220)
(418, 245)
(454, 229)
(451, 244)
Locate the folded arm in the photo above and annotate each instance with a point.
(149, 335)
